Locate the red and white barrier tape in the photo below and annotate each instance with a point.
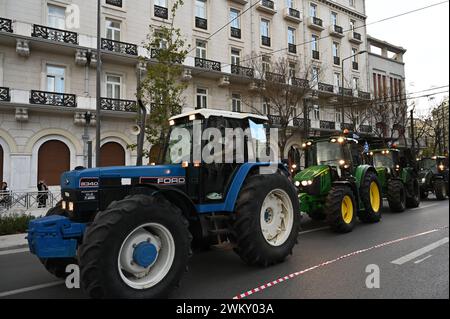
(329, 262)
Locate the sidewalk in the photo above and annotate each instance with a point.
(13, 241)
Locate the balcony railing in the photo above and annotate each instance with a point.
(274, 77)
(316, 55)
(119, 47)
(6, 25)
(337, 60)
(346, 92)
(275, 120)
(268, 4)
(366, 129)
(292, 48)
(317, 21)
(300, 123)
(201, 23)
(326, 87)
(236, 33)
(117, 105)
(208, 64)
(265, 41)
(116, 3)
(301, 83)
(4, 94)
(338, 29)
(53, 34)
(53, 99)
(328, 125)
(355, 65)
(243, 71)
(357, 36)
(364, 95)
(155, 54)
(161, 12)
(294, 13)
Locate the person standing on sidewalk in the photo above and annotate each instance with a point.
(43, 194)
(4, 194)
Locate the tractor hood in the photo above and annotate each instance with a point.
(90, 178)
(311, 172)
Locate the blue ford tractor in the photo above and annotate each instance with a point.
(131, 229)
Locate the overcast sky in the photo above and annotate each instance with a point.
(425, 34)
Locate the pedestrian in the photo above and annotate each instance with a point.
(4, 194)
(43, 194)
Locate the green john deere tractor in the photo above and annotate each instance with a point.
(335, 186)
(398, 176)
(433, 177)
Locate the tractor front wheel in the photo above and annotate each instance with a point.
(440, 190)
(413, 201)
(341, 209)
(267, 220)
(396, 196)
(370, 193)
(138, 248)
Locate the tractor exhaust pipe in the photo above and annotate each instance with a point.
(141, 136)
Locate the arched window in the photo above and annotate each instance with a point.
(155, 154)
(112, 154)
(53, 160)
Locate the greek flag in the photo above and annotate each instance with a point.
(366, 147)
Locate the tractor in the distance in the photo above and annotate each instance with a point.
(335, 186)
(398, 176)
(130, 228)
(433, 177)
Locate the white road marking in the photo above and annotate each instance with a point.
(420, 252)
(14, 251)
(423, 259)
(28, 289)
(422, 207)
(313, 230)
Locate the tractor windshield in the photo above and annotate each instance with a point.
(326, 153)
(428, 164)
(383, 160)
(179, 146)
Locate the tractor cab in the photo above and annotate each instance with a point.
(434, 176)
(386, 160)
(436, 164)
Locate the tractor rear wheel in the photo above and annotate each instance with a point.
(440, 190)
(341, 209)
(267, 220)
(370, 193)
(413, 201)
(138, 248)
(396, 196)
(57, 266)
(423, 194)
(318, 215)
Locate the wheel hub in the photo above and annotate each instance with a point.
(145, 254)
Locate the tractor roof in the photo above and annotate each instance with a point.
(206, 113)
(385, 149)
(329, 138)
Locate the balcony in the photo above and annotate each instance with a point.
(300, 123)
(267, 6)
(336, 31)
(201, 23)
(275, 78)
(53, 99)
(355, 66)
(328, 125)
(292, 48)
(275, 120)
(116, 3)
(236, 33)
(155, 54)
(242, 71)
(108, 104)
(300, 83)
(364, 95)
(244, 2)
(293, 15)
(346, 92)
(119, 47)
(161, 12)
(367, 129)
(4, 95)
(265, 41)
(208, 64)
(53, 34)
(327, 88)
(6, 25)
(336, 60)
(315, 24)
(356, 37)
(316, 55)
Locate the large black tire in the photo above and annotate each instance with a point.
(440, 190)
(423, 195)
(396, 196)
(318, 215)
(339, 220)
(370, 212)
(99, 253)
(413, 198)
(248, 238)
(57, 266)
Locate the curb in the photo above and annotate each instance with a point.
(13, 242)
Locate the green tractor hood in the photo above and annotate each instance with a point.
(311, 173)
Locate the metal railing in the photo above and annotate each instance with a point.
(4, 94)
(292, 48)
(243, 71)
(116, 3)
(27, 200)
(346, 92)
(357, 36)
(118, 105)
(53, 99)
(302, 83)
(317, 21)
(294, 13)
(268, 4)
(265, 41)
(275, 77)
(47, 33)
(201, 23)
(364, 95)
(235, 32)
(6, 25)
(338, 29)
(337, 60)
(161, 12)
(316, 55)
(327, 125)
(208, 64)
(326, 87)
(176, 58)
(119, 47)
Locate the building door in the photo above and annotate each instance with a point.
(112, 154)
(53, 160)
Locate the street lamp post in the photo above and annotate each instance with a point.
(86, 138)
(98, 86)
(342, 84)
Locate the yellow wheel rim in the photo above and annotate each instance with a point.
(375, 198)
(347, 209)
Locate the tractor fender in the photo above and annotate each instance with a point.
(361, 172)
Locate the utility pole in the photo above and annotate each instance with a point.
(98, 138)
(413, 135)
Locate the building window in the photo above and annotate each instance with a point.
(334, 18)
(313, 10)
(56, 17)
(265, 64)
(292, 69)
(352, 25)
(236, 102)
(56, 79)
(315, 76)
(351, 3)
(200, 49)
(291, 40)
(235, 56)
(200, 9)
(355, 55)
(265, 32)
(355, 83)
(202, 98)
(113, 30)
(235, 20)
(113, 86)
(266, 106)
(338, 117)
(337, 80)
(290, 4)
(335, 49)
(316, 112)
(161, 3)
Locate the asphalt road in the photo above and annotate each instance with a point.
(412, 263)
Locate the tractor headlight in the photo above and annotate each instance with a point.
(424, 180)
(64, 205)
(71, 207)
(307, 183)
(441, 167)
(297, 184)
